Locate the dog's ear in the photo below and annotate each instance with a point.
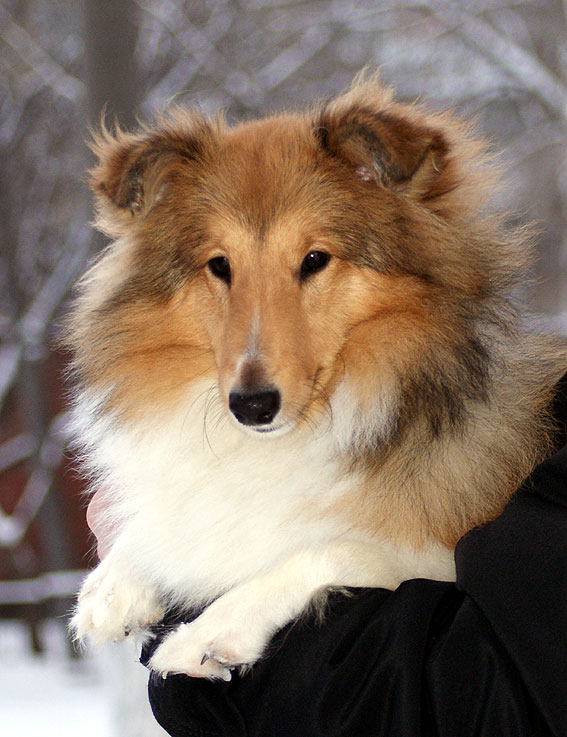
(132, 168)
(383, 146)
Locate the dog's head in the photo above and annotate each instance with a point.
(284, 258)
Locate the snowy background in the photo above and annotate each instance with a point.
(501, 61)
(49, 694)
(101, 694)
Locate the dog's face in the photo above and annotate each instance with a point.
(279, 309)
(269, 301)
(278, 295)
(275, 259)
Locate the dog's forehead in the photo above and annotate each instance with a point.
(272, 137)
(269, 175)
(254, 239)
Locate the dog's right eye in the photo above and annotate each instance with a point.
(314, 261)
(220, 267)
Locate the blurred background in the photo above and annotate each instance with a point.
(503, 62)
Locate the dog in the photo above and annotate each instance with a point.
(300, 364)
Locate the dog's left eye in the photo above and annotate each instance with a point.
(314, 261)
(220, 267)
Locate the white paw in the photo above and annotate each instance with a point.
(112, 605)
(214, 644)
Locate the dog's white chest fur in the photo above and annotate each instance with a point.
(204, 507)
(206, 513)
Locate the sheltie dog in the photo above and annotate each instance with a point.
(300, 364)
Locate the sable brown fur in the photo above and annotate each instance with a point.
(418, 305)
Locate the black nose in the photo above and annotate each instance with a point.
(258, 408)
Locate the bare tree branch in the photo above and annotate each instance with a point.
(59, 584)
(40, 62)
(15, 450)
(548, 134)
(517, 62)
(10, 357)
(39, 314)
(294, 57)
(13, 527)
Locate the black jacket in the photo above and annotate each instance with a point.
(486, 657)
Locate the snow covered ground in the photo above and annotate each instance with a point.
(52, 695)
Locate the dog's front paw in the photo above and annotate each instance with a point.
(112, 605)
(213, 645)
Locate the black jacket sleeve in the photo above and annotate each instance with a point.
(486, 657)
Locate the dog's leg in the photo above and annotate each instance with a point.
(112, 604)
(235, 629)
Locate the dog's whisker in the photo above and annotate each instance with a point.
(213, 402)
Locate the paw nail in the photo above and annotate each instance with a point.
(205, 657)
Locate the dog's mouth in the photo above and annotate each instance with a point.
(264, 430)
(271, 431)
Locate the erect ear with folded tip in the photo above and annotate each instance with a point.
(124, 164)
(132, 167)
(383, 147)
